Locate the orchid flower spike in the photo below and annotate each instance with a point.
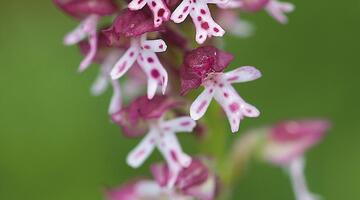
(286, 145)
(204, 66)
(159, 9)
(201, 17)
(161, 133)
(89, 12)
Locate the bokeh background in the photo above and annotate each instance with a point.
(56, 142)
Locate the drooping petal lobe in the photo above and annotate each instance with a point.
(278, 10)
(124, 63)
(201, 104)
(138, 156)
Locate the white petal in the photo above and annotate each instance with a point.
(278, 10)
(217, 1)
(92, 52)
(174, 156)
(242, 74)
(296, 171)
(160, 11)
(154, 45)
(181, 12)
(82, 31)
(242, 28)
(136, 4)
(201, 103)
(100, 85)
(230, 4)
(180, 124)
(116, 99)
(147, 189)
(204, 23)
(155, 72)
(234, 106)
(138, 156)
(125, 62)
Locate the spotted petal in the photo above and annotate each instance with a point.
(278, 10)
(174, 156)
(125, 62)
(155, 72)
(234, 106)
(201, 103)
(242, 74)
(181, 12)
(138, 156)
(204, 23)
(180, 124)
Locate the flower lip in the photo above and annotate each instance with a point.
(82, 8)
(131, 23)
(132, 117)
(254, 5)
(201, 62)
(289, 131)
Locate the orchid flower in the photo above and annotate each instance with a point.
(161, 134)
(286, 145)
(204, 66)
(275, 8)
(159, 9)
(231, 22)
(136, 25)
(278, 10)
(143, 52)
(201, 17)
(89, 12)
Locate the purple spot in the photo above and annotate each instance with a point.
(122, 67)
(205, 25)
(153, 3)
(203, 11)
(202, 105)
(185, 9)
(174, 155)
(187, 123)
(216, 29)
(161, 12)
(155, 73)
(234, 107)
(234, 78)
(226, 95)
(150, 60)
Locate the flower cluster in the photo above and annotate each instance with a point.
(144, 46)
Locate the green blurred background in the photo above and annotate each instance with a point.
(57, 143)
